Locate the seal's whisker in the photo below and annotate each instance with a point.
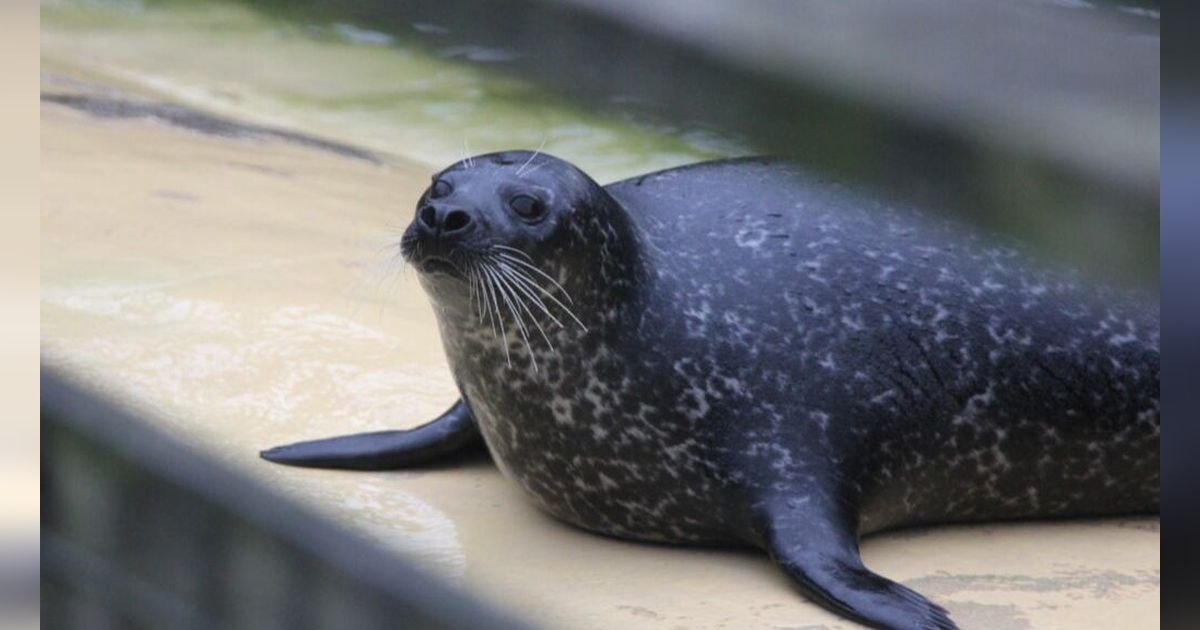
(528, 346)
(378, 279)
(475, 288)
(468, 161)
(530, 294)
(520, 318)
(482, 308)
(472, 293)
(513, 250)
(494, 290)
(495, 316)
(401, 265)
(477, 281)
(471, 285)
(503, 290)
(399, 260)
(525, 264)
(532, 157)
(529, 282)
(406, 239)
(493, 310)
(541, 329)
(417, 251)
(536, 269)
(535, 291)
(517, 290)
(506, 293)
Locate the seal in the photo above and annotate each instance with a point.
(744, 352)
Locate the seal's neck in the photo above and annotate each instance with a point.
(602, 264)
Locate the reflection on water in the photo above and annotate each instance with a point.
(394, 93)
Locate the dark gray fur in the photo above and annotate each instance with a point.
(771, 358)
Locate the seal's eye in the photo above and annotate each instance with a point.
(440, 188)
(526, 207)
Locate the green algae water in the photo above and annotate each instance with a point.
(380, 91)
(418, 93)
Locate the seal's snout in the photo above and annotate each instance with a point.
(439, 231)
(445, 223)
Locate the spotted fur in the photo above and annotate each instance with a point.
(769, 357)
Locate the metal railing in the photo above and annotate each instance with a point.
(139, 531)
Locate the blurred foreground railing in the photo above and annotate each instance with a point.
(140, 532)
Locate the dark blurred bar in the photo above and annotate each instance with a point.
(139, 531)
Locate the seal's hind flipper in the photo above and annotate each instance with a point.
(384, 450)
(821, 554)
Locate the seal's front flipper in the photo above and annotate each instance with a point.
(384, 450)
(820, 552)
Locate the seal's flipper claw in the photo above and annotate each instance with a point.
(384, 450)
(821, 555)
(850, 589)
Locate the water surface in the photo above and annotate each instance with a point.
(394, 94)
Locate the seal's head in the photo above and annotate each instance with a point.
(514, 226)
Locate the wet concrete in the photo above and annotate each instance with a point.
(106, 106)
(242, 288)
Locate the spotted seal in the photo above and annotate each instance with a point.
(745, 352)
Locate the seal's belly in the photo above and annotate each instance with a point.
(595, 472)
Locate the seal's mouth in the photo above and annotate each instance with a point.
(438, 265)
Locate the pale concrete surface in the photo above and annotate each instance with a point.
(242, 290)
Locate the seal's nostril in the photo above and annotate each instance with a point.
(428, 216)
(456, 220)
